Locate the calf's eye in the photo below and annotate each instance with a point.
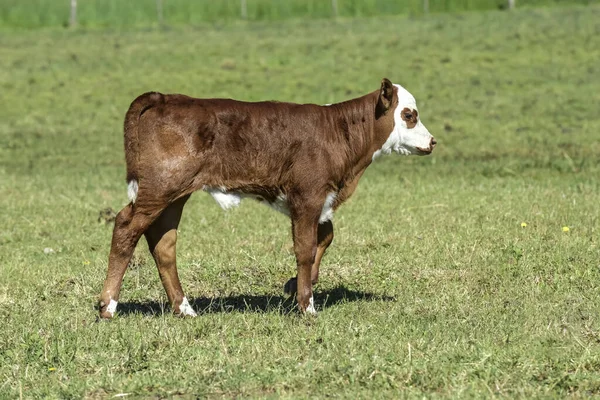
(408, 116)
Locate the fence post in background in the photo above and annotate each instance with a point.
(334, 8)
(425, 6)
(511, 4)
(159, 11)
(244, 7)
(73, 18)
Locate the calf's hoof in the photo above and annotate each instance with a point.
(290, 288)
(307, 308)
(184, 309)
(107, 310)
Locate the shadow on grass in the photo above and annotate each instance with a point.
(250, 303)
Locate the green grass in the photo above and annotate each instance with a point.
(431, 288)
(18, 14)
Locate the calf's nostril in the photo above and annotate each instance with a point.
(432, 143)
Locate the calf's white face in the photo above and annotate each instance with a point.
(409, 135)
(413, 137)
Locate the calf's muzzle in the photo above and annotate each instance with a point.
(428, 150)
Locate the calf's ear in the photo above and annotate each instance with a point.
(386, 94)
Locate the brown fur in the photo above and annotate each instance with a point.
(411, 117)
(175, 145)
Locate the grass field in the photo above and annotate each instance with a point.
(432, 288)
(19, 14)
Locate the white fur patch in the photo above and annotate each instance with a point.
(327, 212)
(186, 309)
(229, 200)
(112, 307)
(311, 307)
(392, 143)
(224, 199)
(132, 190)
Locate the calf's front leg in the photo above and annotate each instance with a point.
(324, 239)
(304, 230)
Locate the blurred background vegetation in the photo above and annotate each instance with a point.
(20, 14)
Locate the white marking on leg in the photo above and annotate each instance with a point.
(132, 190)
(327, 212)
(186, 309)
(311, 307)
(112, 307)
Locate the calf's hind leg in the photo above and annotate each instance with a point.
(130, 224)
(162, 240)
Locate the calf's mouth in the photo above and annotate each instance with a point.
(426, 151)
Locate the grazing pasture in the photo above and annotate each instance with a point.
(474, 272)
(21, 14)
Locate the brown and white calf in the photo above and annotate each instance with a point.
(303, 160)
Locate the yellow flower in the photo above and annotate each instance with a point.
(86, 262)
(565, 229)
(51, 369)
(524, 224)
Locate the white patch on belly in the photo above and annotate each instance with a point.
(311, 307)
(327, 212)
(229, 200)
(186, 309)
(224, 199)
(112, 307)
